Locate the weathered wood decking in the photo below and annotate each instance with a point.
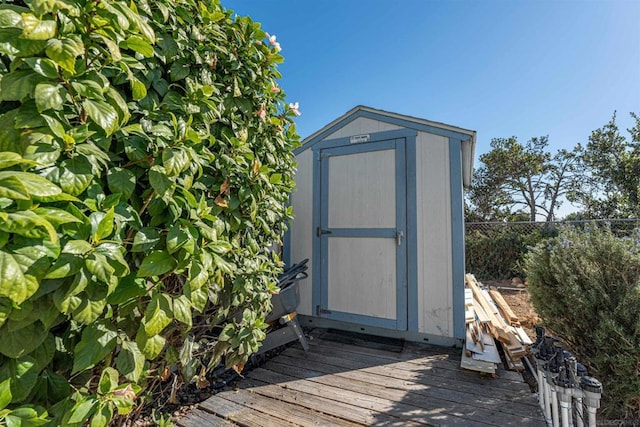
(347, 381)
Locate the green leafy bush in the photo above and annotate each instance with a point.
(499, 253)
(145, 165)
(585, 285)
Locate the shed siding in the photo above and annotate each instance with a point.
(302, 226)
(360, 126)
(349, 206)
(435, 311)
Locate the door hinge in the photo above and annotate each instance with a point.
(320, 311)
(320, 231)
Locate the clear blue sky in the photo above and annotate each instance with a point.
(502, 68)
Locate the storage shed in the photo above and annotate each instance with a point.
(379, 212)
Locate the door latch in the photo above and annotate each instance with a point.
(320, 231)
(399, 236)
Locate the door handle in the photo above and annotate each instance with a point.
(399, 236)
(320, 231)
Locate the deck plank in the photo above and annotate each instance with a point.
(284, 410)
(465, 411)
(240, 414)
(475, 384)
(199, 418)
(367, 398)
(354, 414)
(442, 368)
(351, 380)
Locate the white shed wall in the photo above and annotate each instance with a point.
(435, 307)
(302, 227)
(360, 126)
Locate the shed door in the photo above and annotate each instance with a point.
(362, 234)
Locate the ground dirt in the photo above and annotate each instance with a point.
(519, 301)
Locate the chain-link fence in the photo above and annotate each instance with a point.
(621, 227)
(495, 250)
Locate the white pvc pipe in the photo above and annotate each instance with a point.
(547, 402)
(579, 412)
(555, 415)
(541, 386)
(564, 413)
(592, 416)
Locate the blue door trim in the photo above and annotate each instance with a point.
(362, 232)
(316, 295)
(320, 221)
(412, 235)
(457, 236)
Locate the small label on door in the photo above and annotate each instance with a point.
(358, 139)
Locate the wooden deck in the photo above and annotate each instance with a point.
(345, 380)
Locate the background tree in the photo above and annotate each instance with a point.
(610, 166)
(515, 179)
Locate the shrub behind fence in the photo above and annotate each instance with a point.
(495, 250)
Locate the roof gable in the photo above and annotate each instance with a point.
(387, 117)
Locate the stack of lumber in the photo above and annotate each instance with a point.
(489, 322)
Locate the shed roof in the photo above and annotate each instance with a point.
(468, 137)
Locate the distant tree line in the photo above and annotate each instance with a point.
(527, 182)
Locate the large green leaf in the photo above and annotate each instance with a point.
(24, 375)
(78, 247)
(174, 161)
(121, 181)
(82, 411)
(138, 89)
(9, 18)
(17, 85)
(13, 282)
(75, 175)
(108, 380)
(66, 265)
(23, 341)
(38, 187)
(128, 288)
(176, 238)
(64, 51)
(139, 45)
(116, 100)
(115, 257)
(105, 226)
(29, 224)
(145, 239)
(8, 159)
(159, 181)
(5, 393)
(103, 114)
(130, 361)
(151, 347)
(12, 188)
(97, 341)
(55, 216)
(48, 96)
(182, 310)
(36, 29)
(52, 387)
(156, 263)
(158, 314)
(43, 66)
(89, 310)
(98, 265)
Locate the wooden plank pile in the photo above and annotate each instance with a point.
(489, 322)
